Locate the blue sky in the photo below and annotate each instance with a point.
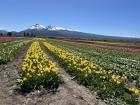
(108, 17)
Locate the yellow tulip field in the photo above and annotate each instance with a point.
(44, 61)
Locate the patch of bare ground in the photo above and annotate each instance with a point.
(8, 75)
(68, 93)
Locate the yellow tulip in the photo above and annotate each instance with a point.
(24, 79)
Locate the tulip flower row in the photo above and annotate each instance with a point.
(119, 62)
(107, 84)
(10, 49)
(38, 70)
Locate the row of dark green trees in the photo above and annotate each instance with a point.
(25, 34)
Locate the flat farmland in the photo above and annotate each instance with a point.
(46, 71)
(127, 46)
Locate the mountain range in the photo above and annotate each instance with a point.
(3, 31)
(53, 31)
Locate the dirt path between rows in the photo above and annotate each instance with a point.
(69, 93)
(8, 75)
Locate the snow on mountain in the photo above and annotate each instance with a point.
(55, 28)
(37, 26)
(50, 28)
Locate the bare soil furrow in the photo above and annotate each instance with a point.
(68, 93)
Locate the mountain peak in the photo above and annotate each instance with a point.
(37, 26)
(49, 27)
(55, 28)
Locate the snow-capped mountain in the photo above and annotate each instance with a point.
(40, 27)
(55, 28)
(37, 27)
(54, 31)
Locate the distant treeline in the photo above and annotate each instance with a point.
(10, 34)
(29, 35)
(6, 34)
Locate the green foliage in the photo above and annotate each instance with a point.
(9, 50)
(29, 35)
(111, 60)
(49, 80)
(120, 62)
(9, 34)
(1, 34)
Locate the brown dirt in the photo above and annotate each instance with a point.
(93, 44)
(8, 75)
(69, 93)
